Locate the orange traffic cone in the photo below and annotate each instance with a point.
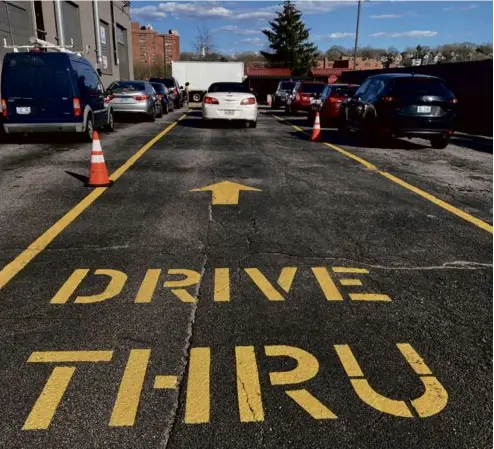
(98, 173)
(316, 129)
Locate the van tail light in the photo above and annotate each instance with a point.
(246, 101)
(141, 97)
(387, 99)
(4, 108)
(76, 104)
(210, 100)
(453, 101)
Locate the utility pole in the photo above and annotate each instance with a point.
(356, 36)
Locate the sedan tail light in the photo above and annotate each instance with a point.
(76, 104)
(141, 97)
(250, 100)
(4, 108)
(297, 97)
(210, 100)
(387, 99)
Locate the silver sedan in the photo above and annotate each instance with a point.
(134, 97)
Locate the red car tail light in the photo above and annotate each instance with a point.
(453, 101)
(250, 100)
(210, 100)
(334, 100)
(76, 104)
(4, 108)
(141, 97)
(297, 97)
(387, 99)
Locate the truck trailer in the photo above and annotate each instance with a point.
(201, 74)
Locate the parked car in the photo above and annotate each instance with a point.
(52, 92)
(175, 90)
(230, 101)
(164, 96)
(402, 105)
(279, 98)
(135, 97)
(302, 94)
(329, 102)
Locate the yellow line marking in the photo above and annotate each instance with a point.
(47, 403)
(443, 204)
(129, 393)
(348, 360)
(311, 404)
(161, 382)
(148, 286)
(197, 397)
(327, 284)
(248, 386)
(350, 270)
(415, 361)
(221, 284)
(350, 282)
(13, 268)
(70, 356)
(369, 297)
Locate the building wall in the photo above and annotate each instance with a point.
(79, 24)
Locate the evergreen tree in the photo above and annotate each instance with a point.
(288, 40)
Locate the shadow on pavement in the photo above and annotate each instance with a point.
(84, 179)
(212, 124)
(473, 143)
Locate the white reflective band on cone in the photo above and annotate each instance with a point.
(97, 159)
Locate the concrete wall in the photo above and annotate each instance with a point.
(471, 82)
(121, 16)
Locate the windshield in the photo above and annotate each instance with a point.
(312, 88)
(127, 86)
(418, 86)
(229, 87)
(45, 75)
(286, 86)
(342, 91)
(159, 87)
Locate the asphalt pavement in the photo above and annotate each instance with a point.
(246, 288)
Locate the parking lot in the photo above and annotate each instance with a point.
(243, 288)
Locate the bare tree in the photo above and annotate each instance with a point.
(203, 42)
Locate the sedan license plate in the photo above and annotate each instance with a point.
(229, 112)
(23, 110)
(126, 100)
(424, 109)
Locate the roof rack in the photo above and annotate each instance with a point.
(41, 44)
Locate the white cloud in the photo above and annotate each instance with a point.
(461, 8)
(319, 37)
(251, 40)
(386, 16)
(318, 6)
(259, 14)
(234, 29)
(415, 33)
(147, 12)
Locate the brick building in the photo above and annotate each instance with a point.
(346, 62)
(151, 47)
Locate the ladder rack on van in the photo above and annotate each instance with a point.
(41, 44)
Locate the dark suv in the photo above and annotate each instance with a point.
(283, 90)
(52, 92)
(174, 89)
(402, 105)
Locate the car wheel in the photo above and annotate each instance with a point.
(152, 115)
(439, 143)
(177, 103)
(252, 124)
(160, 113)
(196, 98)
(166, 111)
(110, 127)
(87, 135)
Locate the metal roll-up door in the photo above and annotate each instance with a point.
(106, 52)
(72, 25)
(123, 52)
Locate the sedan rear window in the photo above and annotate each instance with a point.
(229, 87)
(312, 88)
(127, 86)
(420, 86)
(342, 91)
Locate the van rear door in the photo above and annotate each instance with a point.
(37, 88)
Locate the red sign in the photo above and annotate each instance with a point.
(332, 79)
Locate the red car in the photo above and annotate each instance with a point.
(303, 93)
(331, 99)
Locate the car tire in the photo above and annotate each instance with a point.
(152, 117)
(160, 113)
(439, 143)
(196, 97)
(166, 111)
(110, 126)
(87, 135)
(177, 103)
(252, 124)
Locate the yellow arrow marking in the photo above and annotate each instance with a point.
(225, 192)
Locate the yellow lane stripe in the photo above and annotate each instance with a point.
(13, 268)
(443, 204)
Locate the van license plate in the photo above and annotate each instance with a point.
(23, 110)
(424, 109)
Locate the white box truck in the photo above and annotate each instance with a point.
(201, 74)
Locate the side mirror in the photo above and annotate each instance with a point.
(181, 87)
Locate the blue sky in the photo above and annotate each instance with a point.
(236, 26)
